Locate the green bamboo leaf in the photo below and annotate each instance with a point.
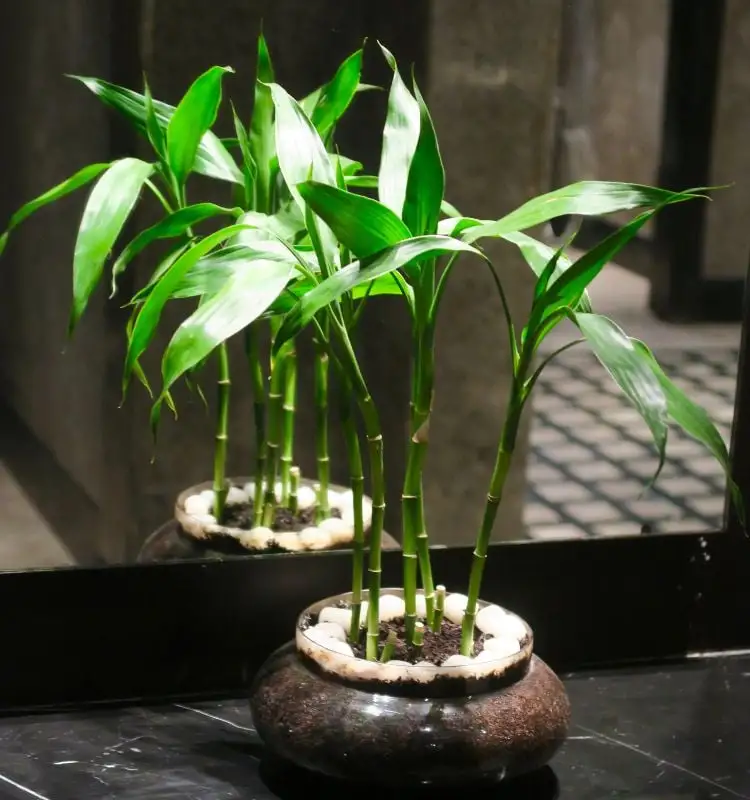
(156, 134)
(632, 372)
(107, 210)
(249, 167)
(81, 178)
(212, 160)
(449, 210)
(348, 166)
(244, 297)
(150, 313)
(400, 140)
(535, 253)
(192, 119)
(286, 224)
(285, 302)
(547, 274)
(362, 225)
(339, 283)
(585, 198)
(175, 224)
(426, 184)
(570, 286)
(335, 97)
(695, 421)
(300, 150)
(212, 272)
(261, 134)
(361, 181)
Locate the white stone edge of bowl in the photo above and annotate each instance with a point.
(325, 643)
(199, 523)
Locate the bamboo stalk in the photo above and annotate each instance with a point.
(357, 481)
(222, 435)
(388, 648)
(321, 431)
(252, 349)
(287, 448)
(494, 496)
(275, 398)
(437, 620)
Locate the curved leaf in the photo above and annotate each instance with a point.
(108, 208)
(695, 421)
(335, 97)
(81, 178)
(156, 135)
(150, 313)
(361, 224)
(400, 138)
(261, 131)
(332, 288)
(426, 184)
(193, 117)
(247, 293)
(175, 224)
(586, 198)
(212, 159)
(362, 181)
(632, 372)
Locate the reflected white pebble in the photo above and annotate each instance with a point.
(490, 617)
(338, 529)
(341, 616)
(332, 629)
(288, 541)
(391, 607)
(236, 496)
(455, 605)
(502, 646)
(315, 539)
(196, 504)
(306, 498)
(259, 538)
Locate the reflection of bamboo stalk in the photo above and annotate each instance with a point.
(220, 453)
(321, 431)
(259, 417)
(288, 410)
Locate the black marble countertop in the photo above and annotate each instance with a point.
(670, 732)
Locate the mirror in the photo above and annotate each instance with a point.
(516, 117)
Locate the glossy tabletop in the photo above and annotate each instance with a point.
(660, 732)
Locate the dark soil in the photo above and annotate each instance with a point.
(437, 647)
(241, 516)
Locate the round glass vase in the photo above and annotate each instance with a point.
(355, 720)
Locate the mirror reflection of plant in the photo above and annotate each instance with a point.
(183, 144)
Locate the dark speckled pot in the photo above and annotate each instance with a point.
(354, 731)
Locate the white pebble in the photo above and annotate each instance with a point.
(367, 670)
(205, 519)
(332, 629)
(236, 496)
(319, 635)
(421, 606)
(499, 623)
(489, 617)
(485, 656)
(306, 498)
(209, 495)
(424, 671)
(456, 661)
(339, 647)
(341, 616)
(315, 539)
(395, 670)
(335, 499)
(391, 607)
(288, 541)
(197, 505)
(259, 538)
(341, 533)
(455, 605)
(501, 646)
(278, 490)
(249, 489)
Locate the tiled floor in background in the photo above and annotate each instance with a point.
(590, 454)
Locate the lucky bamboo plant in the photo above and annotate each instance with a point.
(261, 208)
(308, 247)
